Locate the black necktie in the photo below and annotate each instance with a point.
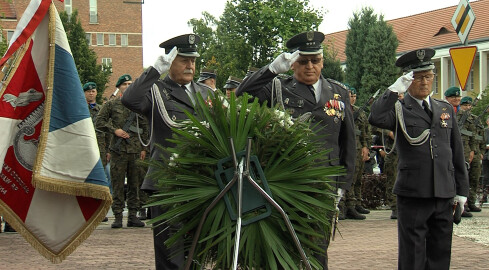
(311, 88)
(427, 109)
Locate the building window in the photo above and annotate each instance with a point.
(107, 64)
(435, 85)
(470, 81)
(68, 8)
(100, 39)
(88, 36)
(93, 11)
(112, 39)
(10, 33)
(124, 40)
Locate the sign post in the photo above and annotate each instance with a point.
(463, 57)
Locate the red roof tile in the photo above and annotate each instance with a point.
(429, 29)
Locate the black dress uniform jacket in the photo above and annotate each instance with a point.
(425, 172)
(298, 99)
(138, 98)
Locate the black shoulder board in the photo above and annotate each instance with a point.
(337, 82)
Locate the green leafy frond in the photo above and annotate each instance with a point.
(295, 168)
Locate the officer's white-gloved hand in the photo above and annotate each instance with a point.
(283, 62)
(460, 200)
(402, 83)
(338, 196)
(163, 62)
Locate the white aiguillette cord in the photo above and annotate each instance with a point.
(156, 95)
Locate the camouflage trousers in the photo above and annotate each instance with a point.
(390, 171)
(121, 166)
(354, 196)
(474, 175)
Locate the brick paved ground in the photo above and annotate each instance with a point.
(367, 244)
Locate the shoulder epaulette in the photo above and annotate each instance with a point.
(442, 100)
(337, 82)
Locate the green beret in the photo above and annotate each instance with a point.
(466, 100)
(89, 86)
(452, 92)
(351, 88)
(122, 79)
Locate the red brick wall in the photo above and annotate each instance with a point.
(114, 17)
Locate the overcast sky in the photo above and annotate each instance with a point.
(164, 19)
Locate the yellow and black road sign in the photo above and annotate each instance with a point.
(463, 59)
(463, 19)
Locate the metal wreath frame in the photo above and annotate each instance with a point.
(241, 170)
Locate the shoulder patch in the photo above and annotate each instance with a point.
(337, 82)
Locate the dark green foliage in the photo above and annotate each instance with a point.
(85, 58)
(289, 153)
(371, 47)
(250, 33)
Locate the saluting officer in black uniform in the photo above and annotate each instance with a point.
(172, 96)
(307, 91)
(431, 167)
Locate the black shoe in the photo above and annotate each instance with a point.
(466, 214)
(105, 219)
(394, 214)
(8, 228)
(351, 213)
(117, 224)
(360, 209)
(134, 222)
(474, 208)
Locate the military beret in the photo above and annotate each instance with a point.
(186, 45)
(122, 79)
(232, 82)
(466, 100)
(89, 86)
(351, 88)
(307, 43)
(452, 92)
(207, 74)
(417, 60)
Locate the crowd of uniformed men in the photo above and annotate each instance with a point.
(123, 131)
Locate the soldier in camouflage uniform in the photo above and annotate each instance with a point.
(90, 90)
(126, 150)
(467, 130)
(475, 165)
(351, 207)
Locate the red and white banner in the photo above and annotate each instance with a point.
(53, 189)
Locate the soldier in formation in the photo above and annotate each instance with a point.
(125, 149)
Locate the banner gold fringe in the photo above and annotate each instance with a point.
(55, 185)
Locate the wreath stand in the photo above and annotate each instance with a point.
(242, 170)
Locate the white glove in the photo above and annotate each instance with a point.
(163, 62)
(402, 83)
(460, 200)
(283, 62)
(338, 196)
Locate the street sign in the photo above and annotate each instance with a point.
(462, 59)
(463, 19)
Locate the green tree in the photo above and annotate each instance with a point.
(251, 33)
(3, 42)
(370, 53)
(379, 55)
(85, 58)
(332, 65)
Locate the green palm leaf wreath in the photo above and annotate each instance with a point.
(292, 158)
